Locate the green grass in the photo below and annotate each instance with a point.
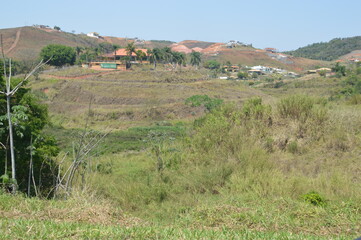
(31, 229)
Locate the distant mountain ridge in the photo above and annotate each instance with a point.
(328, 51)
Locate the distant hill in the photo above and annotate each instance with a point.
(25, 43)
(329, 51)
(246, 55)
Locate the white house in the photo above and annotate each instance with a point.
(93, 34)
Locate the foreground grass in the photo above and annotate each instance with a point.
(32, 229)
(86, 217)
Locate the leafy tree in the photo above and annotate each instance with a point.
(196, 58)
(30, 144)
(57, 28)
(212, 64)
(339, 70)
(140, 55)
(58, 55)
(242, 75)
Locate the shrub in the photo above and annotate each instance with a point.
(212, 64)
(208, 102)
(253, 108)
(295, 107)
(242, 75)
(315, 199)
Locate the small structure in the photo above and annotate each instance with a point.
(354, 60)
(105, 66)
(233, 68)
(271, 50)
(255, 71)
(93, 35)
(263, 69)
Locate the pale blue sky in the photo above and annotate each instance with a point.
(283, 24)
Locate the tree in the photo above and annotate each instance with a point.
(78, 50)
(339, 70)
(196, 58)
(57, 28)
(23, 116)
(130, 49)
(115, 47)
(140, 55)
(242, 75)
(58, 55)
(212, 64)
(156, 56)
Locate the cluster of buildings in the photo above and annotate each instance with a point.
(260, 70)
(233, 44)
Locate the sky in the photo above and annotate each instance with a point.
(281, 24)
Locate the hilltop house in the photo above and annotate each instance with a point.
(271, 50)
(93, 35)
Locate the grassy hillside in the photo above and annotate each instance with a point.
(25, 43)
(123, 99)
(31, 40)
(328, 51)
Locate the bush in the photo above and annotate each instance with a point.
(295, 107)
(253, 108)
(242, 75)
(212, 64)
(315, 199)
(205, 100)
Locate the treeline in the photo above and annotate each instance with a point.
(328, 51)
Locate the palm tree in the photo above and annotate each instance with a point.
(130, 48)
(156, 55)
(115, 48)
(140, 55)
(196, 58)
(78, 50)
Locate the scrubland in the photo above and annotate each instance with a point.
(268, 163)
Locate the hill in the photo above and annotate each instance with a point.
(329, 51)
(25, 43)
(246, 55)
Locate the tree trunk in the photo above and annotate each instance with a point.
(12, 155)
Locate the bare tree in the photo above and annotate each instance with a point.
(82, 150)
(9, 93)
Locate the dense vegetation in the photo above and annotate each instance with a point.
(33, 149)
(58, 55)
(328, 51)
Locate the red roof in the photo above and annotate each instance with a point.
(122, 53)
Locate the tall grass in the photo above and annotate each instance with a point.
(253, 160)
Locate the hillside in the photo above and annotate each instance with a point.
(25, 43)
(246, 55)
(329, 51)
(123, 99)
